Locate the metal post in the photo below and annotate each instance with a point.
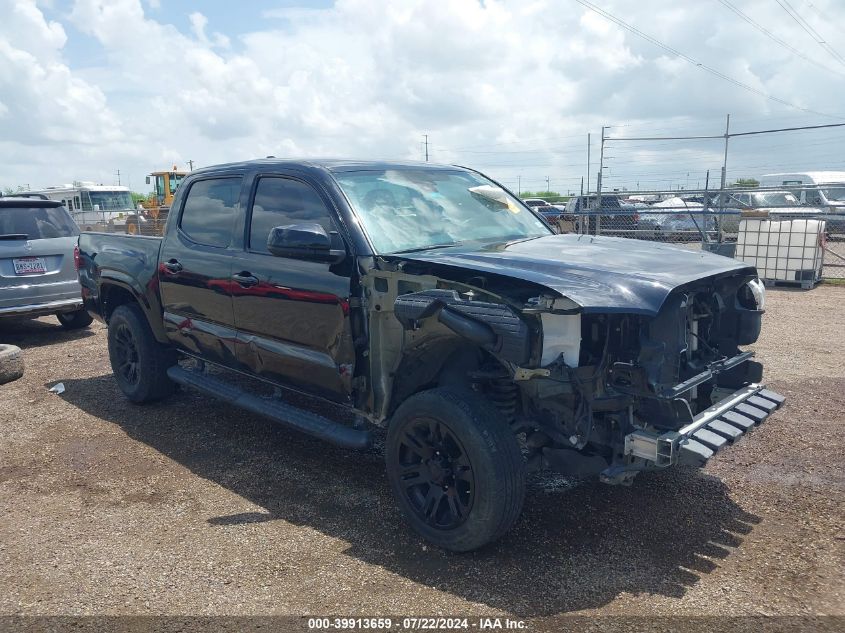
(588, 162)
(426, 147)
(598, 181)
(705, 205)
(519, 185)
(724, 166)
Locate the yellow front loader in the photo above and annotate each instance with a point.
(157, 205)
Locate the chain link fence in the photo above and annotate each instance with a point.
(789, 242)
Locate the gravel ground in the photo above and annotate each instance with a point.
(193, 507)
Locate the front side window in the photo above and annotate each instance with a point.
(417, 209)
(834, 194)
(282, 202)
(209, 212)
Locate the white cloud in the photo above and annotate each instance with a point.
(369, 77)
(43, 102)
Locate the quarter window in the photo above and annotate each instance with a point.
(282, 202)
(209, 212)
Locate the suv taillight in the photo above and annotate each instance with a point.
(76, 261)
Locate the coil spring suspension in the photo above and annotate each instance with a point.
(503, 393)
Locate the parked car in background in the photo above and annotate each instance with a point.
(37, 261)
(776, 203)
(536, 202)
(611, 216)
(822, 189)
(814, 188)
(677, 220)
(551, 213)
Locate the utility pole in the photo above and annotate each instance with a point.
(588, 163)
(426, 147)
(519, 185)
(598, 180)
(548, 189)
(191, 165)
(118, 177)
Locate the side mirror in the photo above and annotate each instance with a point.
(148, 180)
(304, 241)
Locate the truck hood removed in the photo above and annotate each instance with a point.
(601, 274)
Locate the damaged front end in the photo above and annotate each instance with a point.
(596, 392)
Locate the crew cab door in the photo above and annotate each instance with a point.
(195, 269)
(292, 315)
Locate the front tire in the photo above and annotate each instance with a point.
(74, 320)
(455, 468)
(138, 361)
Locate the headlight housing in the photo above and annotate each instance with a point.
(758, 291)
(752, 295)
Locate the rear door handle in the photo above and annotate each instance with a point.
(245, 279)
(173, 266)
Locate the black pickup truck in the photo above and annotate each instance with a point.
(430, 301)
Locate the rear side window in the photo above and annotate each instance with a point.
(282, 202)
(37, 223)
(209, 212)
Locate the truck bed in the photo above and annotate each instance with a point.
(129, 262)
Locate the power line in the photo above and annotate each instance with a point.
(695, 62)
(775, 38)
(808, 28)
(729, 135)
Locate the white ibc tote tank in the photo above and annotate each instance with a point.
(786, 251)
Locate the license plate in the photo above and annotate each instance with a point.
(30, 266)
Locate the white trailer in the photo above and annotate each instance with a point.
(95, 207)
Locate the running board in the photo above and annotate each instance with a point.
(281, 412)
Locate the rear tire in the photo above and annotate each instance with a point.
(138, 361)
(455, 468)
(74, 320)
(11, 363)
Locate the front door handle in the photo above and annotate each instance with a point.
(245, 279)
(173, 266)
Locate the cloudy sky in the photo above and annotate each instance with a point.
(90, 87)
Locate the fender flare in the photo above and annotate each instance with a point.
(151, 308)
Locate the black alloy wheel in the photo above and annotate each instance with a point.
(436, 474)
(126, 355)
(138, 361)
(455, 468)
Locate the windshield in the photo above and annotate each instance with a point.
(111, 200)
(834, 193)
(405, 210)
(37, 223)
(774, 199)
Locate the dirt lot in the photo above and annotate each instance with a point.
(193, 507)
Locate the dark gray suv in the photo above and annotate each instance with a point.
(37, 268)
